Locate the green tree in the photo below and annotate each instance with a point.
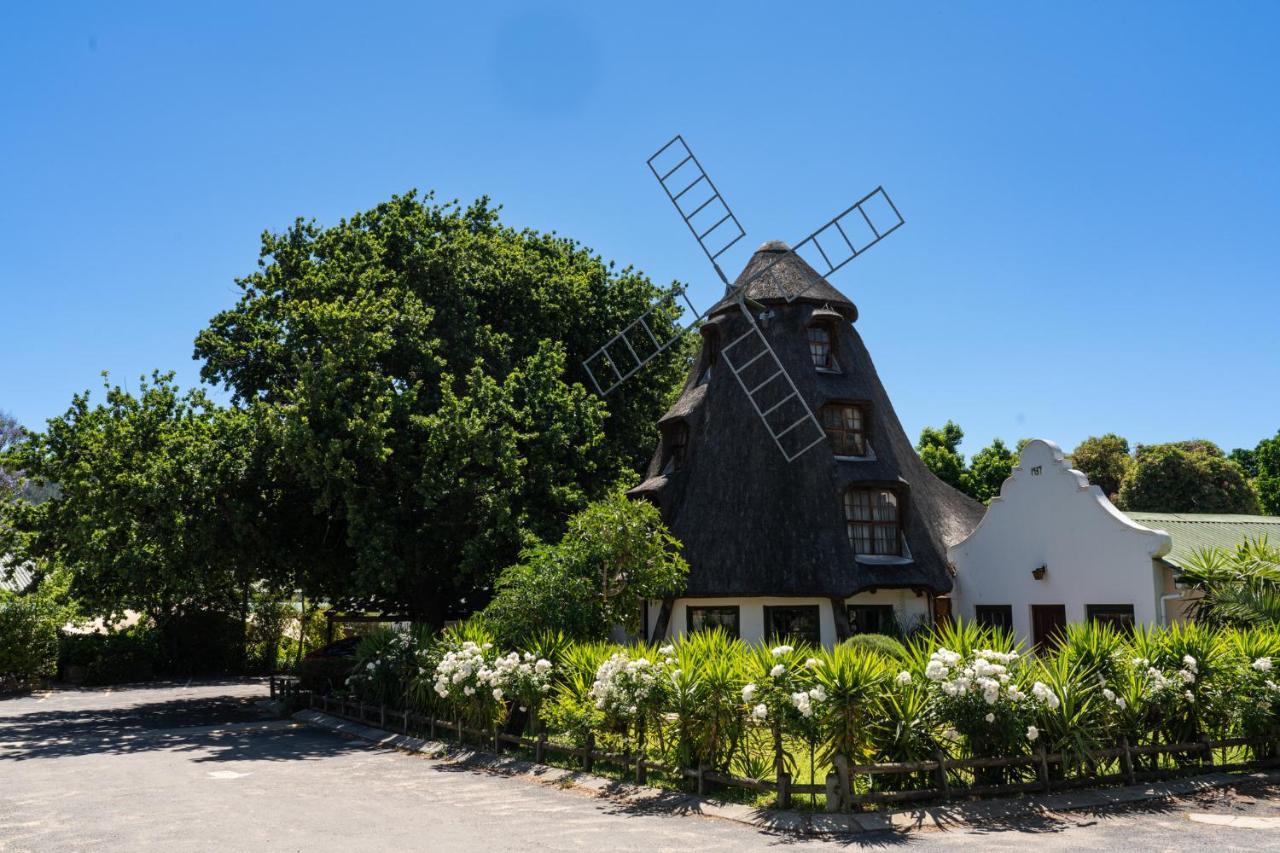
(988, 469)
(423, 363)
(615, 555)
(1262, 466)
(166, 505)
(938, 451)
(1186, 476)
(1105, 460)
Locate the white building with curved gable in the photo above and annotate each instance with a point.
(1053, 550)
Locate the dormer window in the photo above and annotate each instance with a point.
(822, 346)
(846, 427)
(710, 354)
(675, 439)
(873, 520)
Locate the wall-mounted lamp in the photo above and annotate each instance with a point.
(1038, 573)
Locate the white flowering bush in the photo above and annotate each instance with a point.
(522, 679)
(981, 698)
(463, 679)
(385, 665)
(630, 685)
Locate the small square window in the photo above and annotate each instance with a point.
(994, 616)
(708, 618)
(1118, 616)
(793, 623)
(872, 619)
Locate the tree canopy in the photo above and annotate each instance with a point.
(421, 364)
(1186, 476)
(1105, 460)
(982, 477)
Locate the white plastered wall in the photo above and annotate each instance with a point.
(1048, 515)
(909, 609)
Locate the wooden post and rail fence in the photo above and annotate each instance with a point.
(946, 773)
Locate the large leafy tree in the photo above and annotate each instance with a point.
(1186, 476)
(939, 450)
(10, 434)
(988, 470)
(422, 365)
(1105, 460)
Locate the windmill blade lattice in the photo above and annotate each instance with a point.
(697, 200)
(752, 361)
(773, 394)
(869, 219)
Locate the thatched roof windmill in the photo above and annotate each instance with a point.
(845, 529)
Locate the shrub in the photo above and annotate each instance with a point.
(29, 626)
(112, 657)
(881, 644)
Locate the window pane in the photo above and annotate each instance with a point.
(994, 615)
(820, 346)
(705, 618)
(871, 619)
(1119, 616)
(798, 623)
(886, 507)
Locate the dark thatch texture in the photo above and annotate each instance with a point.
(754, 524)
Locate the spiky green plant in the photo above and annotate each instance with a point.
(1240, 586)
(851, 714)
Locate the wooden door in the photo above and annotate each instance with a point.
(1047, 623)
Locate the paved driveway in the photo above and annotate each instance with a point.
(178, 767)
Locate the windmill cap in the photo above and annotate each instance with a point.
(774, 246)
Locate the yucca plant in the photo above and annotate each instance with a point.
(1095, 649)
(1073, 726)
(906, 732)
(1240, 586)
(707, 680)
(851, 712)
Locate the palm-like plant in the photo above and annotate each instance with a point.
(1241, 587)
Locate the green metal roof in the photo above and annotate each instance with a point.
(1193, 532)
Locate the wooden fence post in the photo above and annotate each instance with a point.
(784, 790)
(540, 748)
(1042, 767)
(1126, 761)
(460, 729)
(944, 784)
(272, 682)
(641, 775)
(702, 779)
(588, 757)
(431, 726)
(382, 715)
(1208, 751)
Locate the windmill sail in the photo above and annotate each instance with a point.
(754, 364)
(774, 396)
(846, 235)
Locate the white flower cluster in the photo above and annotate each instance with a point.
(1178, 683)
(463, 670)
(623, 686)
(986, 673)
(1110, 696)
(803, 700)
(468, 669)
(760, 711)
(1262, 664)
(517, 676)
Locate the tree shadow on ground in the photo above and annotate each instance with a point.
(225, 727)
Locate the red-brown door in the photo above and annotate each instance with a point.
(1047, 623)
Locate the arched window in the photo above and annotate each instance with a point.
(675, 439)
(873, 520)
(846, 426)
(822, 346)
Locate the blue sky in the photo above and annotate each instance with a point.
(1092, 191)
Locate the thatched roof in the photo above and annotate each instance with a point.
(753, 523)
(787, 273)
